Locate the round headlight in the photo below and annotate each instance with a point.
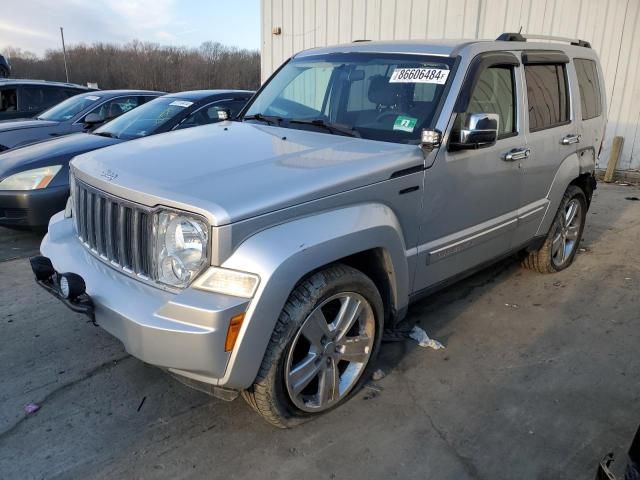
(183, 250)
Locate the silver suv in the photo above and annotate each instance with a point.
(265, 255)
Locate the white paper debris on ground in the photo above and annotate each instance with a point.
(420, 336)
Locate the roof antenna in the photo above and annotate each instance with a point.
(520, 31)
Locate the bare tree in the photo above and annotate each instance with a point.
(144, 65)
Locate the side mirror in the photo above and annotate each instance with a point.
(430, 139)
(479, 130)
(92, 120)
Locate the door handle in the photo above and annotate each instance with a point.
(570, 139)
(517, 154)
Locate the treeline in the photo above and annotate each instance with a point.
(144, 65)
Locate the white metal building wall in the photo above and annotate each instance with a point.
(612, 27)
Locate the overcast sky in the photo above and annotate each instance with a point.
(34, 24)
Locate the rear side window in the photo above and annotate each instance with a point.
(547, 95)
(590, 97)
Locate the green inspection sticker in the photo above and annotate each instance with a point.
(406, 124)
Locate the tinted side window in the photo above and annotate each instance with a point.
(116, 107)
(590, 99)
(32, 99)
(52, 96)
(547, 95)
(8, 100)
(494, 93)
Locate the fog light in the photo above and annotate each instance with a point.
(42, 267)
(71, 285)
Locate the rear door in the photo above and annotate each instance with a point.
(472, 197)
(552, 132)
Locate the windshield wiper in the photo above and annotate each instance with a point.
(331, 127)
(105, 134)
(269, 119)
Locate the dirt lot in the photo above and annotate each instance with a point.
(540, 378)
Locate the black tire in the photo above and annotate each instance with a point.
(269, 395)
(542, 260)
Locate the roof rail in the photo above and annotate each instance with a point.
(518, 37)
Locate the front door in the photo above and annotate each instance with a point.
(472, 196)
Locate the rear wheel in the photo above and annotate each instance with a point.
(561, 244)
(322, 347)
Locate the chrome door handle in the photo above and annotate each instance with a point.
(571, 139)
(517, 154)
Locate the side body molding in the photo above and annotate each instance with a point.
(284, 254)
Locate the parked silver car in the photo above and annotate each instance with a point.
(80, 113)
(266, 255)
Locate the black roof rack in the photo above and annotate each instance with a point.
(518, 37)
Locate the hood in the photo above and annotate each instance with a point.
(58, 151)
(231, 171)
(8, 125)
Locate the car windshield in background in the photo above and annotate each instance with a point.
(380, 97)
(69, 108)
(145, 119)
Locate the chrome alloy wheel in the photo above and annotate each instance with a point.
(330, 352)
(566, 237)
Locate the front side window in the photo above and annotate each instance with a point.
(590, 96)
(385, 97)
(547, 96)
(69, 108)
(494, 93)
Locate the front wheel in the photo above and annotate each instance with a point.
(561, 244)
(322, 347)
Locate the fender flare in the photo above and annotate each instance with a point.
(284, 254)
(567, 172)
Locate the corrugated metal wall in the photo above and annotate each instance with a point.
(612, 27)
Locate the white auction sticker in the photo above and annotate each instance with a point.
(93, 98)
(181, 103)
(419, 75)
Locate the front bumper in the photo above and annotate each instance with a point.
(184, 332)
(31, 208)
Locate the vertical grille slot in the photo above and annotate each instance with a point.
(116, 230)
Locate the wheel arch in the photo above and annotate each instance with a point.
(367, 237)
(574, 170)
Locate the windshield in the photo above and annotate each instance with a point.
(145, 119)
(386, 97)
(69, 108)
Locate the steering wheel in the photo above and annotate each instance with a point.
(386, 114)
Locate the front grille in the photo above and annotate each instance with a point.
(115, 229)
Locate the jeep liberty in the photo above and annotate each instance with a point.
(266, 255)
